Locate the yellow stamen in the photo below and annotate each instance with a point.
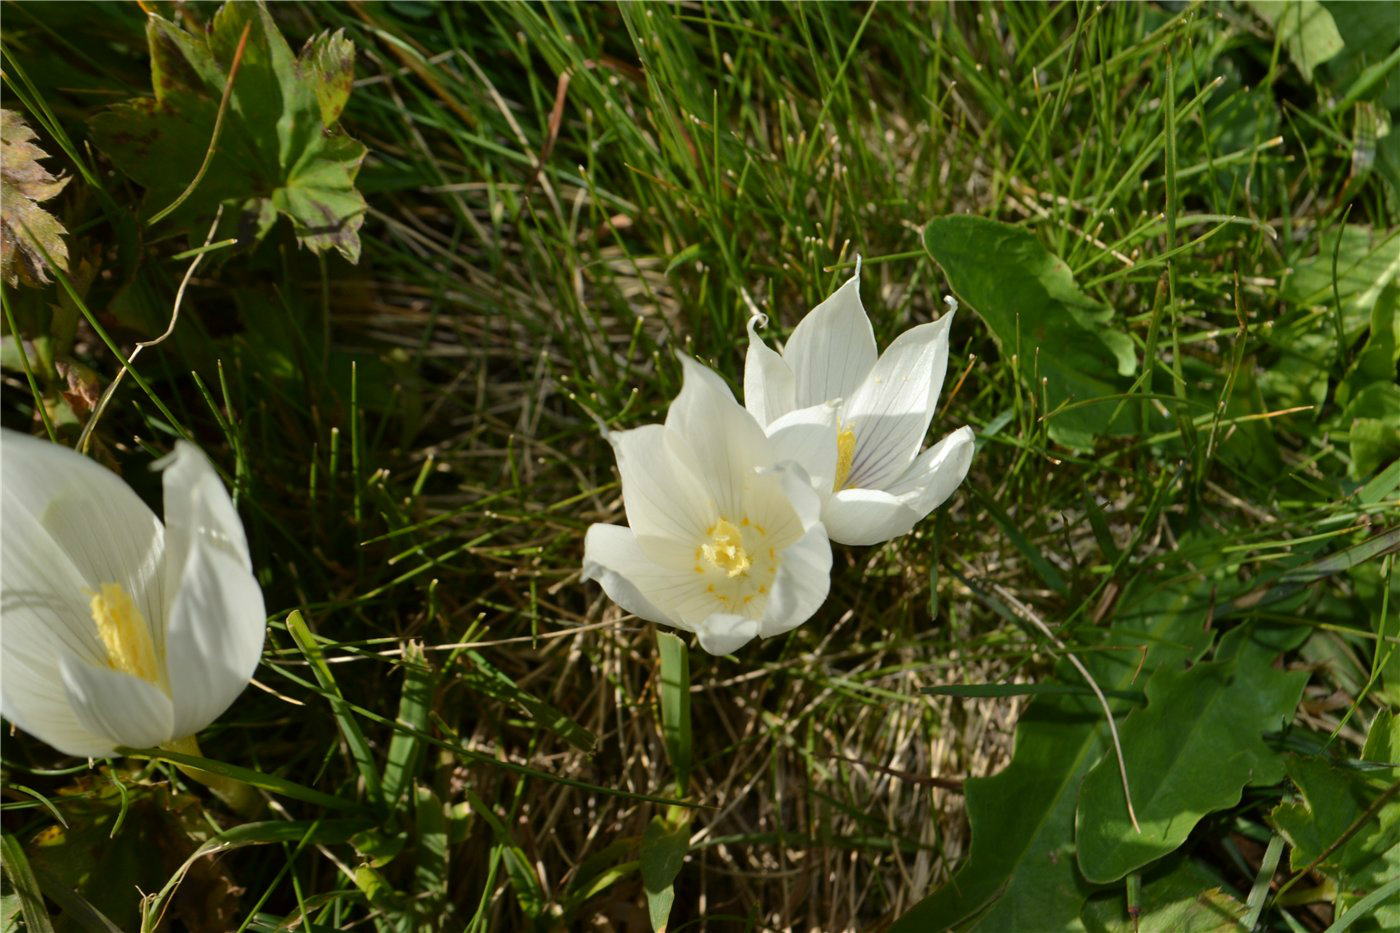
(845, 457)
(725, 548)
(124, 633)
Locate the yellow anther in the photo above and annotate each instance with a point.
(124, 633)
(845, 457)
(725, 549)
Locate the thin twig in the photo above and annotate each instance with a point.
(1362, 820)
(141, 345)
(1025, 612)
(214, 137)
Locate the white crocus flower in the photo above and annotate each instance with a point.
(874, 482)
(724, 541)
(116, 630)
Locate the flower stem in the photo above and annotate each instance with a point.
(240, 797)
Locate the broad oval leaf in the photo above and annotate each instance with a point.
(1020, 873)
(1038, 314)
(1189, 752)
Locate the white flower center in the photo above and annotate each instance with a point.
(845, 457)
(124, 633)
(740, 563)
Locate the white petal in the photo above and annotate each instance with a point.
(891, 411)
(866, 516)
(937, 473)
(782, 502)
(43, 595)
(662, 496)
(90, 514)
(214, 635)
(769, 384)
(197, 504)
(31, 685)
(832, 349)
(612, 557)
(711, 432)
(125, 709)
(44, 615)
(802, 583)
(807, 437)
(725, 633)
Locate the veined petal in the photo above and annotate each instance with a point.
(707, 429)
(32, 695)
(867, 516)
(725, 632)
(197, 504)
(807, 437)
(802, 583)
(662, 496)
(123, 709)
(891, 410)
(832, 349)
(937, 473)
(214, 635)
(43, 595)
(769, 384)
(612, 557)
(44, 614)
(89, 514)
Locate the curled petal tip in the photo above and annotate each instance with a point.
(952, 304)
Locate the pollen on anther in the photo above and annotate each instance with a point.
(745, 521)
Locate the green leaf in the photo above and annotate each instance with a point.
(278, 152)
(1305, 28)
(329, 60)
(1372, 421)
(1367, 261)
(1377, 358)
(1336, 800)
(36, 916)
(430, 875)
(1020, 873)
(674, 691)
(1189, 752)
(1029, 300)
(1368, 31)
(663, 853)
(349, 726)
(28, 233)
(1383, 740)
(405, 748)
(1184, 898)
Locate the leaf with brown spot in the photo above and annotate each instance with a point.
(27, 231)
(279, 151)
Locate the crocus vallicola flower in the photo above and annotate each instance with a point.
(117, 629)
(723, 539)
(874, 483)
